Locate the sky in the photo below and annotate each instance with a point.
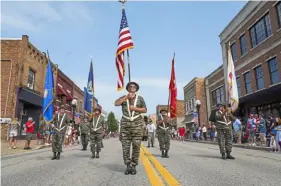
(74, 31)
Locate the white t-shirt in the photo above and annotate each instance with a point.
(151, 127)
(204, 129)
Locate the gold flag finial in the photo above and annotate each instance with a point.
(123, 3)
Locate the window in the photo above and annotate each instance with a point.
(248, 85)
(218, 96)
(260, 31)
(243, 48)
(31, 79)
(278, 12)
(233, 52)
(238, 86)
(273, 70)
(259, 77)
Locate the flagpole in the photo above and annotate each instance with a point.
(128, 54)
(129, 69)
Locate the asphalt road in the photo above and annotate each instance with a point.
(189, 164)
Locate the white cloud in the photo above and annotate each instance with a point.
(35, 16)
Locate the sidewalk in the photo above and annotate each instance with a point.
(20, 145)
(245, 146)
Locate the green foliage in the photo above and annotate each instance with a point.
(112, 122)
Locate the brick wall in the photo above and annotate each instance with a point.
(201, 95)
(23, 56)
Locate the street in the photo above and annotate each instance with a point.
(189, 164)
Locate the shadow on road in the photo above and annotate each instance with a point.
(116, 167)
(156, 155)
(206, 156)
(83, 155)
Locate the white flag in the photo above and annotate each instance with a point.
(232, 84)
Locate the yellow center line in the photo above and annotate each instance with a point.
(154, 179)
(171, 180)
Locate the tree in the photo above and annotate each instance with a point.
(112, 124)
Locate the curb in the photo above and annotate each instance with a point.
(234, 145)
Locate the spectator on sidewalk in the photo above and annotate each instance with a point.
(252, 130)
(204, 131)
(262, 130)
(47, 134)
(237, 130)
(278, 134)
(29, 132)
(13, 128)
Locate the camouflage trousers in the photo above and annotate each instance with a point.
(164, 141)
(131, 134)
(225, 140)
(84, 139)
(95, 141)
(102, 143)
(57, 141)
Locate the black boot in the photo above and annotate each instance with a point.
(85, 148)
(97, 156)
(166, 154)
(223, 156)
(54, 156)
(229, 156)
(128, 169)
(152, 145)
(93, 155)
(163, 154)
(148, 146)
(58, 156)
(133, 170)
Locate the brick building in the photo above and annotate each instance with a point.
(23, 69)
(215, 89)
(79, 95)
(64, 92)
(194, 90)
(254, 36)
(180, 112)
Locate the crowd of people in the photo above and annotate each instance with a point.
(257, 130)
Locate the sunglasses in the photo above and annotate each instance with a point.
(132, 86)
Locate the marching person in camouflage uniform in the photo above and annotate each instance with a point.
(163, 129)
(61, 122)
(223, 122)
(131, 126)
(96, 127)
(85, 130)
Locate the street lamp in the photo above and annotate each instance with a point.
(74, 105)
(198, 104)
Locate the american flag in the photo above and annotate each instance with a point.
(125, 42)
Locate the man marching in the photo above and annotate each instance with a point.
(96, 127)
(163, 129)
(85, 130)
(224, 128)
(61, 122)
(131, 126)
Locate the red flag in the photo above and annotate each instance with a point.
(173, 92)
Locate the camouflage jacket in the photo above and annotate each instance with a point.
(85, 127)
(61, 122)
(224, 120)
(165, 126)
(132, 116)
(96, 125)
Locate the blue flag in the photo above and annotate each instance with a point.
(89, 92)
(48, 106)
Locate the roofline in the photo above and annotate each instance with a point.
(242, 17)
(191, 82)
(12, 39)
(214, 72)
(235, 17)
